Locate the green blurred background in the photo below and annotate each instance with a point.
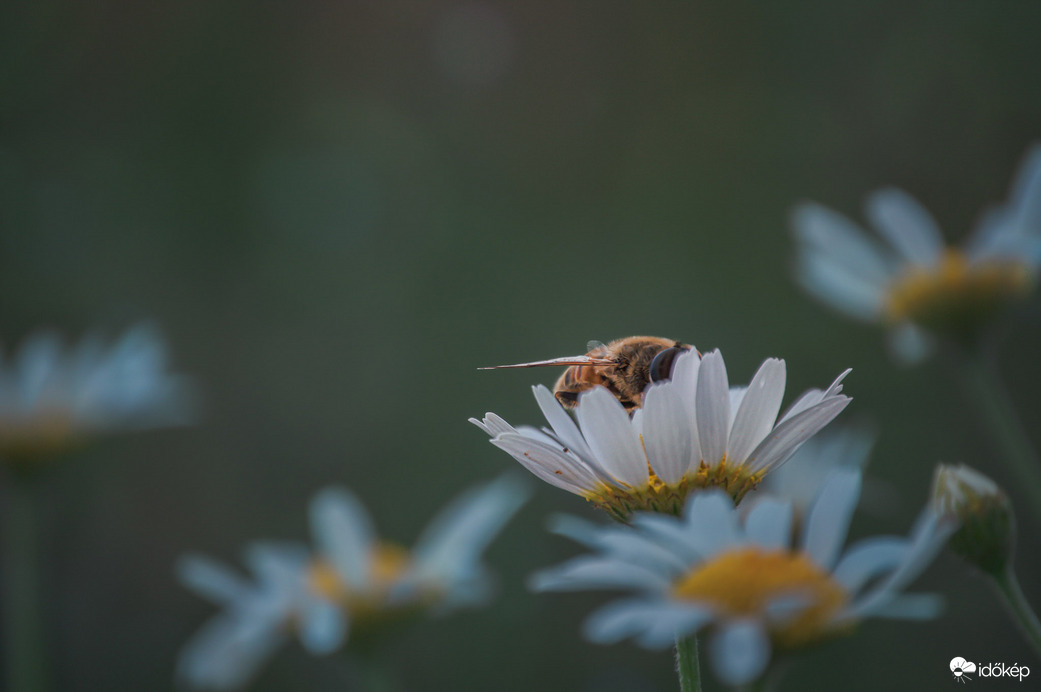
(338, 210)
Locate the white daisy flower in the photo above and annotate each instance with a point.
(369, 578)
(742, 581)
(915, 280)
(694, 431)
(51, 398)
(352, 582)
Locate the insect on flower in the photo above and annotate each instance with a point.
(624, 366)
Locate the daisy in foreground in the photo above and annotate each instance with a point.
(352, 584)
(916, 282)
(52, 398)
(693, 431)
(743, 582)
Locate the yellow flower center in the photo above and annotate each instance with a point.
(669, 498)
(742, 582)
(386, 565)
(957, 295)
(24, 439)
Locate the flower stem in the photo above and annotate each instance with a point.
(23, 626)
(999, 413)
(687, 666)
(1017, 604)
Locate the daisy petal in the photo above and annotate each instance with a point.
(667, 532)
(344, 534)
(769, 524)
(278, 566)
(712, 522)
(587, 572)
(210, 579)
(833, 284)
(1025, 198)
(782, 442)
(740, 651)
(452, 543)
(622, 543)
(685, 378)
(560, 421)
(606, 428)
(550, 463)
(323, 627)
(658, 622)
(909, 344)
(226, 653)
(829, 234)
(666, 433)
(758, 410)
(712, 407)
(928, 537)
(906, 225)
(493, 425)
(868, 559)
(829, 517)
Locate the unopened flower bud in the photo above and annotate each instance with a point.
(987, 535)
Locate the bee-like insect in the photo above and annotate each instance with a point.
(624, 366)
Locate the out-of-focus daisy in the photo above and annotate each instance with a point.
(802, 476)
(51, 398)
(693, 431)
(915, 281)
(742, 580)
(352, 582)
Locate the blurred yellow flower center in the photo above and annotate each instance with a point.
(745, 580)
(24, 438)
(387, 563)
(669, 498)
(957, 294)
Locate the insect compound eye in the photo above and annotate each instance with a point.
(661, 365)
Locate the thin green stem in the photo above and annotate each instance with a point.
(1017, 604)
(1000, 415)
(23, 625)
(687, 665)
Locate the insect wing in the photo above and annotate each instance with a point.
(567, 360)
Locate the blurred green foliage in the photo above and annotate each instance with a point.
(338, 210)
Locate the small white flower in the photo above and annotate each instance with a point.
(353, 580)
(915, 280)
(51, 398)
(742, 580)
(693, 431)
